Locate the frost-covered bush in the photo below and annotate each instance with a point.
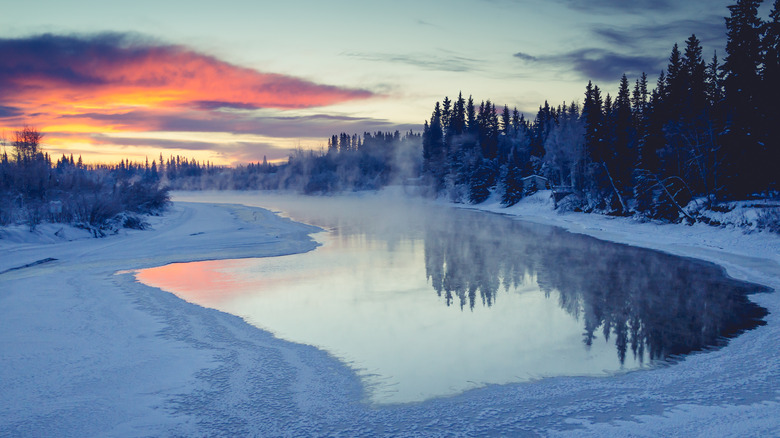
(92, 197)
(750, 216)
(572, 202)
(769, 219)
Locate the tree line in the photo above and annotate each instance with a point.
(351, 162)
(33, 189)
(101, 197)
(706, 131)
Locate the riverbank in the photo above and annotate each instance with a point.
(84, 352)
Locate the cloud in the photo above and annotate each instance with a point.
(269, 125)
(119, 70)
(621, 6)
(9, 111)
(598, 64)
(160, 143)
(616, 7)
(114, 83)
(445, 61)
(196, 130)
(710, 31)
(234, 152)
(525, 56)
(426, 23)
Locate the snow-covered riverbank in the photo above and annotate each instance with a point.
(84, 352)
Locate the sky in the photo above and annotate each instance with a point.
(235, 81)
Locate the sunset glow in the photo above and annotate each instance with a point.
(238, 81)
(80, 90)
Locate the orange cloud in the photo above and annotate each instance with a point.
(112, 71)
(100, 84)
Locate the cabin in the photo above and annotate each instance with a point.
(533, 183)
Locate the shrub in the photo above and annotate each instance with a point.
(769, 220)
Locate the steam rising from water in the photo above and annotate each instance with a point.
(425, 300)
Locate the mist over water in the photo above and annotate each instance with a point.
(426, 300)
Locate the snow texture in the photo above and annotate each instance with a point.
(87, 351)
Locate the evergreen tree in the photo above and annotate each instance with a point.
(458, 122)
(695, 78)
(506, 121)
(433, 149)
(639, 99)
(487, 121)
(471, 117)
(742, 84)
(676, 87)
(593, 122)
(516, 126)
(624, 139)
(513, 187)
(540, 128)
(563, 147)
(482, 178)
(446, 117)
(693, 136)
(770, 78)
(714, 84)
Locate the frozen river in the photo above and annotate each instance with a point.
(426, 301)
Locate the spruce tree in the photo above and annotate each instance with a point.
(676, 87)
(625, 138)
(458, 122)
(695, 78)
(770, 78)
(639, 98)
(593, 121)
(742, 85)
(506, 121)
(714, 84)
(515, 122)
(471, 117)
(446, 117)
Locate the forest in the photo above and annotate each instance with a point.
(707, 132)
(704, 135)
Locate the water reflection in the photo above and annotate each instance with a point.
(646, 300)
(403, 291)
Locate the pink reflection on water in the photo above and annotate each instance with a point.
(206, 283)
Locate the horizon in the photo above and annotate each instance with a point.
(145, 82)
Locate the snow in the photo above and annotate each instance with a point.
(87, 351)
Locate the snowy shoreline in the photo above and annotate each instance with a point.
(87, 352)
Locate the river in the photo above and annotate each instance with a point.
(425, 300)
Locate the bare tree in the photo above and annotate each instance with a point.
(27, 144)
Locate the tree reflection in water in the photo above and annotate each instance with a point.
(650, 302)
(658, 305)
